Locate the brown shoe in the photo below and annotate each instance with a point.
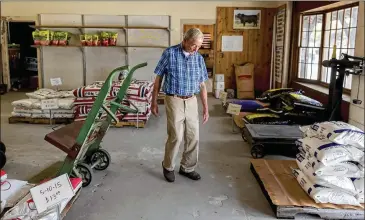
(191, 175)
(169, 175)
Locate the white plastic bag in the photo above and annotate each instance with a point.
(9, 187)
(26, 103)
(321, 194)
(360, 198)
(330, 153)
(346, 169)
(67, 103)
(339, 132)
(359, 185)
(335, 182)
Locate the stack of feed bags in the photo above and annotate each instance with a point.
(331, 163)
(138, 94)
(31, 107)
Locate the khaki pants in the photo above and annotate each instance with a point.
(182, 121)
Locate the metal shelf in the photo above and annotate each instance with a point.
(97, 27)
(82, 29)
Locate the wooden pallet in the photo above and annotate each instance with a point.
(14, 120)
(140, 124)
(290, 211)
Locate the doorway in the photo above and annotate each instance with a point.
(23, 67)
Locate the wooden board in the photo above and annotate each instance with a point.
(140, 124)
(288, 199)
(257, 45)
(14, 120)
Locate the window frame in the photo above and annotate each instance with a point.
(321, 48)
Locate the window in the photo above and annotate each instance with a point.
(318, 33)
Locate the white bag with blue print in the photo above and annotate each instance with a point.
(322, 194)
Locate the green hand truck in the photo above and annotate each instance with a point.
(81, 140)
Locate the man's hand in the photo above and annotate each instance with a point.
(204, 99)
(154, 109)
(156, 89)
(205, 115)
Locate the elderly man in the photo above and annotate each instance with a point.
(185, 74)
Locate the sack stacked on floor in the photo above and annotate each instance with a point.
(32, 108)
(139, 94)
(331, 163)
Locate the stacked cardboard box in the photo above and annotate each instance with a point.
(245, 81)
(218, 84)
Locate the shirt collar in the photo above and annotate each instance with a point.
(186, 54)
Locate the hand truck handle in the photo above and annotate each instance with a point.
(113, 116)
(123, 107)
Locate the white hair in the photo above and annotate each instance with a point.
(193, 34)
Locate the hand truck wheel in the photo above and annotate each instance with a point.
(2, 159)
(100, 159)
(2, 147)
(258, 151)
(85, 172)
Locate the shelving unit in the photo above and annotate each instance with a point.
(98, 27)
(140, 39)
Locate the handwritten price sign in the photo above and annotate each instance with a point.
(52, 192)
(223, 96)
(234, 109)
(56, 81)
(47, 104)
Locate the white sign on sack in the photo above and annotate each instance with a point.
(51, 193)
(56, 81)
(48, 104)
(223, 96)
(233, 109)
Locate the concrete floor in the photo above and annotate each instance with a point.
(133, 186)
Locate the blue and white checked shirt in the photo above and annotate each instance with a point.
(183, 74)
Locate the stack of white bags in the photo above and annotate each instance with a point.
(331, 163)
(32, 107)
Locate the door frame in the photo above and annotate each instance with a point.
(4, 45)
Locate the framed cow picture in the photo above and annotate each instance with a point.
(246, 19)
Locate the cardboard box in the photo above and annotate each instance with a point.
(245, 95)
(219, 78)
(245, 81)
(219, 85)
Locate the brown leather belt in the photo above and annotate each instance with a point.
(181, 97)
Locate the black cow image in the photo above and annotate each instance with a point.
(248, 19)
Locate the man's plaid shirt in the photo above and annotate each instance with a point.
(183, 74)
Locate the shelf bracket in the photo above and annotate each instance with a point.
(81, 30)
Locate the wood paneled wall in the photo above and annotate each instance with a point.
(257, 46)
